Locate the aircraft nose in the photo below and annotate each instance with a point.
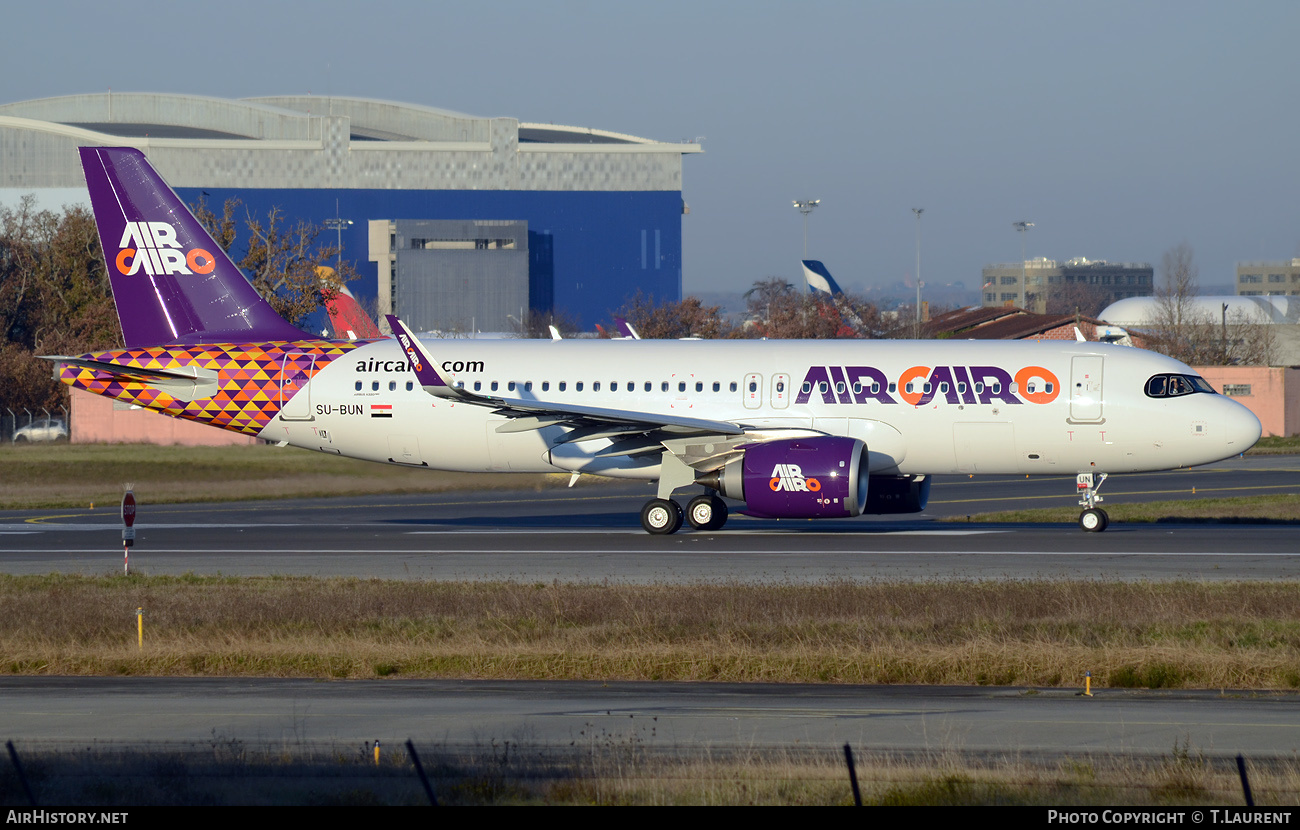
(1243, 429)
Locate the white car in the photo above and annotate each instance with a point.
(46, 429)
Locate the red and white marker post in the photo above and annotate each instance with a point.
(128, 529)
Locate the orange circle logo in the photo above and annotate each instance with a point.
(200, 267)
(1027, 374)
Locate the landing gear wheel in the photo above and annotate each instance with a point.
(661, 517)
(707, 512)
(1094, 520)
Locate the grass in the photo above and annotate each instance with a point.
(1276, 445)
(76, 475)
(1032, 633)
(620, 769)
(1253, 509)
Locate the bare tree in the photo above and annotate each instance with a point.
(1189, 333)
(285, 262)
(668, 321)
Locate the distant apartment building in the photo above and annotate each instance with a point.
(1102, 282)
(1268, 279)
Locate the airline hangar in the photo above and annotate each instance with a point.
(512, 218)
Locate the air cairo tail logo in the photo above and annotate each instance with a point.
(410, 352)
(789, 478)
(153, 247)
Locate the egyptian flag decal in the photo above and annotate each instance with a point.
(381, 410)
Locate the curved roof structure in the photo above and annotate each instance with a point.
(1136, 312)
(305, 141)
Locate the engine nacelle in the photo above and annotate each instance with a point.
(898, 494)
(822, 477)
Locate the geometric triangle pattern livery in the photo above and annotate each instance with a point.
(254, 380)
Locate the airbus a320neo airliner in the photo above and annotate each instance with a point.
(789, 429)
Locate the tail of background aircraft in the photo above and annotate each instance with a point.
(348, 318)
(172, 283)
(819, 279)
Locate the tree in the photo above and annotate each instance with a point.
(671, 321)
(1186, 332)
(54, 299)
(285, 263)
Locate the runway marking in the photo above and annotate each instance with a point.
(271, 505)
(685, 552)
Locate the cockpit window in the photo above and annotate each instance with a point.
(1173, 386)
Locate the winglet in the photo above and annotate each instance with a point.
(423, 365)
(1078, 335)
(625, 327)
(555, 333)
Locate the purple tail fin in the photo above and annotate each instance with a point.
(172, 283)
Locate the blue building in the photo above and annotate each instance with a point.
(602, 210)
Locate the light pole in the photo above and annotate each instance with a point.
(336, 224)
(1023, 228)
(805, 206)
(918, 212)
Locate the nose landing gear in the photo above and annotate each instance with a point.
(1093, 519)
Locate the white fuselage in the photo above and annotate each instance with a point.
(979, 414)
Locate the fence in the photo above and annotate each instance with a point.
(22, 425)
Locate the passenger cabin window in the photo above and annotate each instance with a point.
(733, 386)
(392, 386)
(595, 387)
(717, 387)
(358, 386)
(546, 386)
(410, 385)
(578, 386)
(663, 387)
(648, 386)
(511, 386)
(699, 386)
(681, 386)
(494, 386)
(563, 385)
(374, 386)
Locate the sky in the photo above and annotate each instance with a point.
(1120, 129)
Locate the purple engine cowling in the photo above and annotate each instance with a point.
(822, 477)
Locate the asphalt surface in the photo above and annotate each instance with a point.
(592, 533)
(53, 712)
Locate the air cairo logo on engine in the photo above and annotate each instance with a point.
(789, 478)
(153, 247)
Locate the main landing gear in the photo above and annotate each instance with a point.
(1093, 519)
(664, 516)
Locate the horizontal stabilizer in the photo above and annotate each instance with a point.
(185, 383)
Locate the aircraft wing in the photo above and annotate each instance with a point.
(588, 422)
